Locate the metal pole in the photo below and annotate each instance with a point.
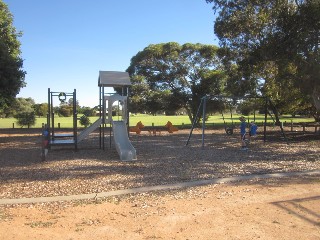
(100, 115)
(75, 119)
(110, 134)
(265, 119)
(104, 124)
(203, 119)
(194, 121)
(127, 110)
(49, 115)
(52, 114)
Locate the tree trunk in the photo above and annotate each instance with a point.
(316, 97)
(189, 112)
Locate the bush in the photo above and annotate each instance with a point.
(26, 119)
(85, 121)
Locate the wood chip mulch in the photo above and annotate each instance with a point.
(162, 159)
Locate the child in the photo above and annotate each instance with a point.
(243, 126)
(252, 129)
(45, 143)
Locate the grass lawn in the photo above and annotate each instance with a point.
(159, 120)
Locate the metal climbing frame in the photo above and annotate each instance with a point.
(56, 139)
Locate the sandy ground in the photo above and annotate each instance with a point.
(287, 208)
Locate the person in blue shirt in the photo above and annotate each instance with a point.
(252, 129)
(243, 126)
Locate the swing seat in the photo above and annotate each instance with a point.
(229, 131)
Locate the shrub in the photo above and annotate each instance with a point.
(85, 121)
(26, 119)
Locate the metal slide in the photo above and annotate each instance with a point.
(89, 130)
(121, 139)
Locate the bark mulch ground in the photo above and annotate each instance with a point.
(162, 159)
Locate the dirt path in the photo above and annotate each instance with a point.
(286, 208)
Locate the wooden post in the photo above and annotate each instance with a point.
(153, 130)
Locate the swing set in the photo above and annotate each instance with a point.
(230, 106)
(268, 105)
(228, 129)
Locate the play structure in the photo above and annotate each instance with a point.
(171, 128)
(54, 137)
(118, 128)
(138, 128)
(269, 110)
(153, 129)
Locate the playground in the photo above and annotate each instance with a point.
(163, 159)
(112, 181)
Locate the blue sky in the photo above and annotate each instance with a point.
(66, 43)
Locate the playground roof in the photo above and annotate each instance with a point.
(113, 79)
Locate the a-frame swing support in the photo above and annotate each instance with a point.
(202, 106)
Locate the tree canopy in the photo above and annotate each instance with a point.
(178, 75)
(276, 42)
(11, 72)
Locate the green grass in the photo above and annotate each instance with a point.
(159, 120)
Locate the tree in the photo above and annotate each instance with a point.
(66, 107)
(11, 74)
(139, 93)
(26, 119)
(24, 104)
(187, 71)
(65, 110)
(41, 109)
(144, 99)
(248, 106)
(70, 102)
(89, 112)
(19, 105)
(155, 102)
(272, 36)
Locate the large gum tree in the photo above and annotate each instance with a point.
(276, 42)
(184, 73)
